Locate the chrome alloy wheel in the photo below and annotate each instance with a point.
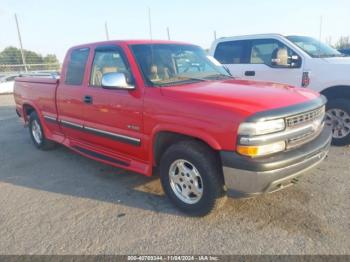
(339, 120)
(186, 182)
(36, 132)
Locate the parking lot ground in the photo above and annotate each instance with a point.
(58, 202)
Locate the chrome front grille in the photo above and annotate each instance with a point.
(305, 118)
(312, 121)
(304, 138)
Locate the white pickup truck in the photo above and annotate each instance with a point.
(295, 60)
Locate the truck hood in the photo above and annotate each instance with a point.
(243, 96)
(338, 60)
(334, 71)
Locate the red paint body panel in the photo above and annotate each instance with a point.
(210, 111)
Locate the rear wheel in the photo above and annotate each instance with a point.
(191, 177)
(37, 134)
(338, 117)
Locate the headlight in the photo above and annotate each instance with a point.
(261, 128)
(262, 150)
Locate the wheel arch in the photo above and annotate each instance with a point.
(28, 108)
(335, 92)
(163, 139)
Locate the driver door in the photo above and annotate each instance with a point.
(112, 117)
(257, 60)
(271, 60)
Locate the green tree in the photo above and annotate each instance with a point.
(51, 59)
(33, 58)
(52, 62)
(10, 56)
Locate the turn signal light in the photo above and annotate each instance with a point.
(263, 150)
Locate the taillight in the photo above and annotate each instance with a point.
(305, 82)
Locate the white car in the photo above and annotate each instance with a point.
(7, 84)
(294, 60)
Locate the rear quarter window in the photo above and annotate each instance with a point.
(76, 66)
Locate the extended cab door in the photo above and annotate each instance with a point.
(261, 59)
(112, 117)
(70, 104)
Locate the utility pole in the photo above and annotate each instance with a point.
(106, 29)
(215, 35)
(321, 22)
(168, 32)
(320, 37)
(20, 43)
(150, 23)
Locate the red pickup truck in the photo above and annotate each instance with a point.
(167, 106)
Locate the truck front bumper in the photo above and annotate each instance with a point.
(246, 176)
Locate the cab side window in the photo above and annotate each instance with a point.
(272, 53)
(232, 52)
(107, 61)
(76, 66)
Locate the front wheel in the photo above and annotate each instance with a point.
(338, 117)
(191, 177)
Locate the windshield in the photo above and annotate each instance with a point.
(169, 64)
(314, 47)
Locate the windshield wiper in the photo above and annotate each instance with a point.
(181, 82)
(218, 77)
(186, 80)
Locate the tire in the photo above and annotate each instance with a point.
(186, 160)
(37, 134)
(338, 116)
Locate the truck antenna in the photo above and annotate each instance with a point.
(106, 29)
(321, 22)
(150, 23)
(168, 33)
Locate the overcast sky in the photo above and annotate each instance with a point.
(53, 26)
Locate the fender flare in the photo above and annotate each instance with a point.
(47, 132)
(190, 132)
(337, 91)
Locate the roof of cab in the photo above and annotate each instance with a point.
(249, 36)
(129, 42)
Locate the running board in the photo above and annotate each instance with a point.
(94, 154)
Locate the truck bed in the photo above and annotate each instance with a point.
(38, 91)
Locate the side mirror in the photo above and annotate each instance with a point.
(294, 61)
(116, 81)
(286, 61)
